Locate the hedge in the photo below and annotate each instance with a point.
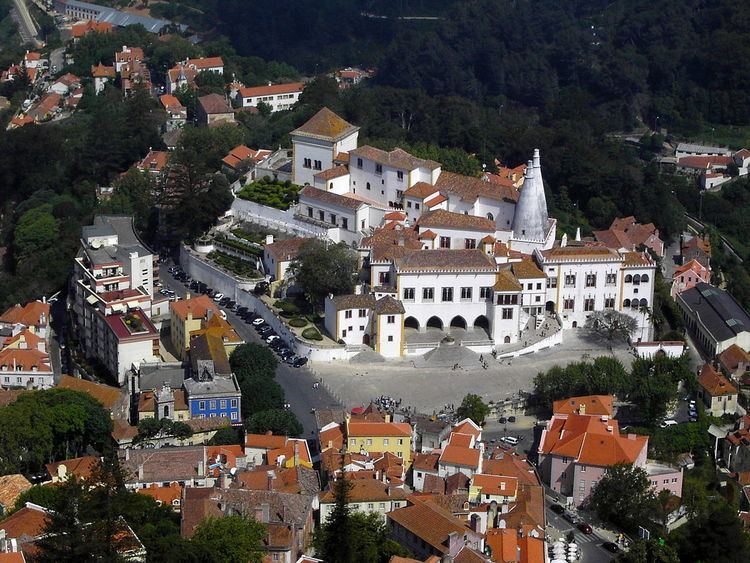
(297, 322)
(286, 307)
(311, 334)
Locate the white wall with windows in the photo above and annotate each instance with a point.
(388, 334)
(457, 238)
(312, 155)
(506, 317)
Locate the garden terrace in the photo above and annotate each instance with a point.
(280, 195)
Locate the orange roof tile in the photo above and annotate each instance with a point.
(325, 125)
(457, 455)
(732, 357)
(440, 218)
(595, 405)
(81, 467)
(34, 313)
(461, 440)
(420, 190)
(467, 426)
(25, 360)
(106, 395)
(429, 522)
(363, 429)
(11, 486)
(196, 306)
(715, 383)
(495, 484)
(364, 490)
(272, 89)
(28, 522)
(165, 495)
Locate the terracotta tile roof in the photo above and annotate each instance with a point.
(489, 239)
(592, 405)
(510, 464)
(330, 198)
(446, 260)
(420, 190)
(27, 523)
(13, 557)
(435, 201)
(287, 452)
(26, 339)
(342, 157)
(504, 544)
(714, 382)
(506, 281)
(214, 103)
(527, 269)
(27, 360)
(704, 162)
(188, 73)
(433, 484)
(325, 125)
(29, 315)
(468, 426)
(203, 63)
(694, 266)
(166, 495)
(428, 234)
(106, 395)
(362, 301)
(495, 484)
(428, 522)
(154, 161)
(732, 357)
(331, 173)
(606, 450)
(197, 306)
(286, 250)
(101, 71)
(456, 483)
(461, 440)
(11, 486)
(574, 253)
(81, 467)
(272, 89)
(168, 101)
(68, 79)
(425, 461)
(364, 490)
(386, 429)
(331, 436)
(448, 219)
(78, 30)
(457, 455)
(637, 259)
(395, 216)
(388, 305)
(146, 401)
(122, 431)
(129, 54)
(700, 243)
(397, 158)
(470, 188)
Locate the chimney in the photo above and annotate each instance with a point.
(127, 454)
(387, 417)
(187, 295)
(209, 314)
(631, 436)
(504, 508)
(296, 453)
(265, 512)
(201, 469)
(224, 482)
(140, 472)
(269, 239)
(270, 476)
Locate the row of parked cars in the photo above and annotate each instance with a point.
(274, 341)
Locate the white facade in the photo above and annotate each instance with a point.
(315, 147)
(361, 319)
(279, 97)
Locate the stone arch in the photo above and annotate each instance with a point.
(166, 411)
(644, 278)
(368, 185)
(411, 322)
(575, 324)
(626, 303)
(637, 279)
(550, 306)
(506, 340)
(490, 217)
(628, 278)
(644, 302)
(435, 322)
(482, 322)
(458, 322)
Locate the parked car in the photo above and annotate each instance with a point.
(223, 314)
(570, 517)
(218, 297)
(585, 528)
(511, 419)
(611, 547)
(557, 508)
(668, 422)
(299, 362)
(259, 321)
(272, 338)
(242, 310)
(265, 330)
(224, 301)
(232, 304)
(512, 440)
(291, 359)
(502, 420)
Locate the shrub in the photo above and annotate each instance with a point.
(286, 307)
(311, 334)
(297, 322)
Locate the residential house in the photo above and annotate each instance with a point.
(186, 316)
(694, 149)
(28, 368)
(696, 248)
(183, 74)
(277, 256)
(11, 487)
(427, 530)
(163, 403)
(47, 107)
(591, 405)
(462, 454)
(330, 210)
(171, 495)
(155, 162)
(64, 84)
(733, 449)
(176, 112)
(348, 77)
(718, 394)
(430, 432)
(626, 234)
(489, 488)
(278, 97)
(129, 338)
(385, 436)
(365, 495)
(715, 318)
(82, 468)
(34, 316)
(240, 158)
(698, 165)
(102, 74)
(735, 363)
(128, 57)
(688, 276)
(212, 391)
(213, 109)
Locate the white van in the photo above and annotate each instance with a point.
(669, 422)
(512, 440)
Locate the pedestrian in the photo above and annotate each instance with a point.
(481, 359)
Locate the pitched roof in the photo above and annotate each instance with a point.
(364, 490)
(265, 441)
(388, 305)
(325, 125)
(473, 260)
(11, 486)
(448, 219)
(506, 281)
(330, 198)
(361, 301)
(636, 259)
(397, 158)
(203, 63)
(716, 309)
(364, 429)
(25, 360)
(197, 306)
(166, 495)
(510, 464)
(420, 190)
(428, 522)
(459, 455)
(80, 467)
(733, 356)
(592, 405)
(272, 89)
(101, 71)
(27, 523)
(154, 160)
(495, 484)
(29, 315)
(693, 265)
(285, 250)
(576, 253)
(170, 102)
(470, 188)
(106, 395)
(714, 382)
(703, 162)
(214, 103)
(332, 173)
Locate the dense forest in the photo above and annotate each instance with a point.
(482, 80)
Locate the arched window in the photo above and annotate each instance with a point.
(635, 303)
(644, 303)
(644, 278)
(166, 411)
(626, 303)
(490, 217)
(636, 279)
(368, 185)
(330, 185)
(628, 278)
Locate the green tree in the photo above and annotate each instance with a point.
(35, 231)
(327, 539)
(252, 359)
(474, 408)
(48, 497)
(322, 268)
(278, 421)
(260, 394)
(231, 538)
(226, 436)
(650, 551)
(612, 326)
(623, 496)
(718, 536)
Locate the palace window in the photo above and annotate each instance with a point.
(400, 175)
(466, 294)
(551, 283)
(470, 243)
(609, 303)
(445, 242)
(447, 294)
(348, 314)
(485, 293)
(378, 169)
(570, 280)
(391, 319)
(590, 280)
(569, 304)
(362, 313)
(428, 294)
(408, 294)
(611, 279)
(307, 163)
(507, 314)
(588, 304)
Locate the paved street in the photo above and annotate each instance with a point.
(428, 388)
(589, 544)
(296, 382)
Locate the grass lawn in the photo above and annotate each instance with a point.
(273, 194)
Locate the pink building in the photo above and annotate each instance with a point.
(687, 276)
(576, 449)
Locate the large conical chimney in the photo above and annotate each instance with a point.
(530, 218)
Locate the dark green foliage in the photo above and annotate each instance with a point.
(651, 551)
(623, 496)
(268, 192)
(281, 422)
(717, 536)
(231, 538)
(312, 333)
(45, 426)
(226, 436)
(297, 322)
(322, 268)
(253, 360)
(474, 408)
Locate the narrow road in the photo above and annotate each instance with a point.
(26, 26)
(296, 382)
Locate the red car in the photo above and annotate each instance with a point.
(585, 528)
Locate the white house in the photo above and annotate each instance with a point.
(365, 319)
(317, 144)
(278, 96)
(347, 213)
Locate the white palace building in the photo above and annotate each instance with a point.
(449, 253)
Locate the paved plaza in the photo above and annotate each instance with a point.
(427, 387)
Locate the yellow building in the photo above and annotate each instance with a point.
(486, 488)
(187, 316)
(376, 436)
(219, 330)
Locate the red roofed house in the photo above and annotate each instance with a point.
(65, 84)
(242, 155)
(696, 248)
(213, 110)
(277, 256)
(102, 74)
(735, 363)
(703, 164)
(176, 112)
(576, 450)
(78, 30)
(128, 57)
(386, 436)
(688, 276)
(366, 495)
(33, 316)
(154, 162)
(279, 97)
(183, 73)
(626, 234)
(591, 405)
(717, 392)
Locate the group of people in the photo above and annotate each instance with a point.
(387, 402)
